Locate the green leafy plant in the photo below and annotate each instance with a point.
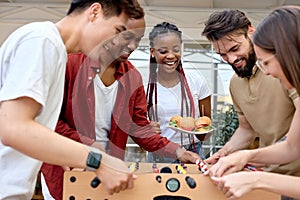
(226, 122)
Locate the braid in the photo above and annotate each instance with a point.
(185, 90)
(152, 87)
(186, 94)
(163, 28)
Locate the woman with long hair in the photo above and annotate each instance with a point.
(171, 91)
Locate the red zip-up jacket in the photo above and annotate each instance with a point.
(77, 117)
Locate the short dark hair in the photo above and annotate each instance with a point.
(225, 22)
(110, 7)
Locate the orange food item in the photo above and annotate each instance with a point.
(202, 122)
(176, 119)
(187, 123)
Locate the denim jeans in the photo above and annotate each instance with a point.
(287, 198)
(152, 157)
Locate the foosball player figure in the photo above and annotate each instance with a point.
(154, 167)
(184, 166)
(202, 167)
(133, 166)
(180, 169)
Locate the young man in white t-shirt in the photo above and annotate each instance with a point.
(32, 70)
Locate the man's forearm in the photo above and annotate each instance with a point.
(241, 139)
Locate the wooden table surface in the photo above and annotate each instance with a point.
(147, 187)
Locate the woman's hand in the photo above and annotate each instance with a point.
(228, 164)
(155, 127)
(237, 184)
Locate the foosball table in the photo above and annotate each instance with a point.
(156, 181)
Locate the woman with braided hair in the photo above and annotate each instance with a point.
(171, 91)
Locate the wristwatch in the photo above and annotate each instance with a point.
(93, 161)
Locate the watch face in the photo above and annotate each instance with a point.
(172, 184)
(94, 160)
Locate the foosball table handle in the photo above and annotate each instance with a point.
(95, 182)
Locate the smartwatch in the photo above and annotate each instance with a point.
(93, 161)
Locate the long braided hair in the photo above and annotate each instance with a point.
(187, 103)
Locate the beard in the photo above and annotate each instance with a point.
(246, 71)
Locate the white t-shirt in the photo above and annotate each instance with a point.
(169, 104)
(105, 98)
(32, 64)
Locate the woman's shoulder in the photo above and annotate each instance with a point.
(194, 77)
(198, 83)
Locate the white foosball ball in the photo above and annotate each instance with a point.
(159, 181)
